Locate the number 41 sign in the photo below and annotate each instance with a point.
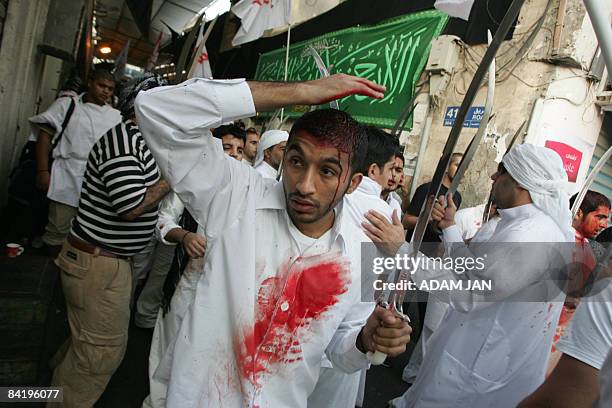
(472, 119)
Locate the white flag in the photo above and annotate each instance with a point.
(154, 54)
(121, 61)
(201, 65)
(258, 16)
(455, 8)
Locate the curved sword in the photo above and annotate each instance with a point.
(482, 130)
(404, 116)
(323, 71)
(434, 188)
(589, 181)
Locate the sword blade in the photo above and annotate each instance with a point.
(482, 129)
(323, 71)
(434, 189)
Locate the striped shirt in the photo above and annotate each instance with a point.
(120, 168)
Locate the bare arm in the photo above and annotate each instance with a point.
(572, 384)
(43, 144)
(273, 95)
(410, 221)
(152, 197)
(194, 244)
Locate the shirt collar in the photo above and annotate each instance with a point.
(369, 187)
(275, 200)
(525, 210)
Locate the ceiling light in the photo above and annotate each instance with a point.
(105, 50)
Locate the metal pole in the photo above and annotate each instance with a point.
(282, 113)
(422, 146)
(603, 29)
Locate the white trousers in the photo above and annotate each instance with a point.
(165, 333)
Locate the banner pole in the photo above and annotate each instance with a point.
(286, 64)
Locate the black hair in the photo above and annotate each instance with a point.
(100, 73)
(400, 156)
(592, 201)
(336, 128)
(233, 130)
(381, 148)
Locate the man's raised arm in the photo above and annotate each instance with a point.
(273, 95)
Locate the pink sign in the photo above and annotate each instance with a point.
(571, 158)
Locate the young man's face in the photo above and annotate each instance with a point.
(590, 224)
(315, 178)
(384, 176)
(233, 146)
(250, 148)
(398, 174)
(101, 90)
(274, 155)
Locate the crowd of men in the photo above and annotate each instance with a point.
(248, 250)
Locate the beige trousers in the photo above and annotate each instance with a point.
(59, 223)
(97, 291)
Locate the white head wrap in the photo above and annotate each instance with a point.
(540, 170)
(269, 139)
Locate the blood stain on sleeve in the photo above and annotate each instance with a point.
(290, 301)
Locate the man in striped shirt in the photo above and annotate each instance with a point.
(115, 220)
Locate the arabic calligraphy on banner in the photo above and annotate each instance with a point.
(392, 53)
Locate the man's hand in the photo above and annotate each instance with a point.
(385, 332)
(194, 244)
(338, 86)
(443, 212)
(386, 236)
(43, 178)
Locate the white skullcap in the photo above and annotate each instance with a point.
(269, 139)
(540, 170)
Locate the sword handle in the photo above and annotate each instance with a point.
(376, 358)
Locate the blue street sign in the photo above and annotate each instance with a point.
(472, 120)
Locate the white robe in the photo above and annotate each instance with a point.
(87, 124)
(336, 388)
(493, 354)
(251, 260)
(266, 170)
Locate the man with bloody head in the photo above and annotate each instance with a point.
(593, 215)
(262, 319)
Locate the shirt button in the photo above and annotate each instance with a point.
(284, 306)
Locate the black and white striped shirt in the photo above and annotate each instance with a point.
(120, 168)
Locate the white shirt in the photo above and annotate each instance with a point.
(252, 264)
(588, 337)
(266, 170)
(395, 204)
(605, 384)
(487, 354)
(87, 124)
(469, 220)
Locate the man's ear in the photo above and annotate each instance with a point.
(355, 180)
(579, 215)
(372, 170)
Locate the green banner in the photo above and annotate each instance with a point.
(392, 53)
